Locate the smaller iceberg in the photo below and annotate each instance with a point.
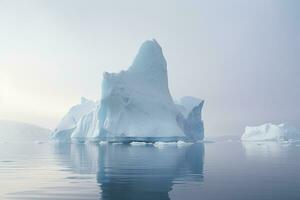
(271, 132)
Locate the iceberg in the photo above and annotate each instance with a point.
(271, 132)
(136, 106)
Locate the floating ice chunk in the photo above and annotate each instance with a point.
(117, 143)
(103, 142)
(138, 143)
(181, 143)
(164, 144)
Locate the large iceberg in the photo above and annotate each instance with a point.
(136, 105)
(271, 132)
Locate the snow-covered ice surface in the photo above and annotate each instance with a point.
(136, 105)
(271, 132)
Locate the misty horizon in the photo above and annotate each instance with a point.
(240, 57)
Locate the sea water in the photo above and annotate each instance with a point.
(220, 170)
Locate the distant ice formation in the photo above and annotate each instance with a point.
(271, 132)
(17, 131)
(136, 105)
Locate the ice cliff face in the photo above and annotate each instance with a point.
(136, 105)
(271, 132)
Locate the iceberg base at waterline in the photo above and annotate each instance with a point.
(125, 140)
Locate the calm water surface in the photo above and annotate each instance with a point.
(222, 170)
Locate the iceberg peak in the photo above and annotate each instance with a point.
(149, 69)
(149, 56)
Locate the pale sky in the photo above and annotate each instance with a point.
(241, 56)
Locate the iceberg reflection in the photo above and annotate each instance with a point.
(264, 149)
(134, 172)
